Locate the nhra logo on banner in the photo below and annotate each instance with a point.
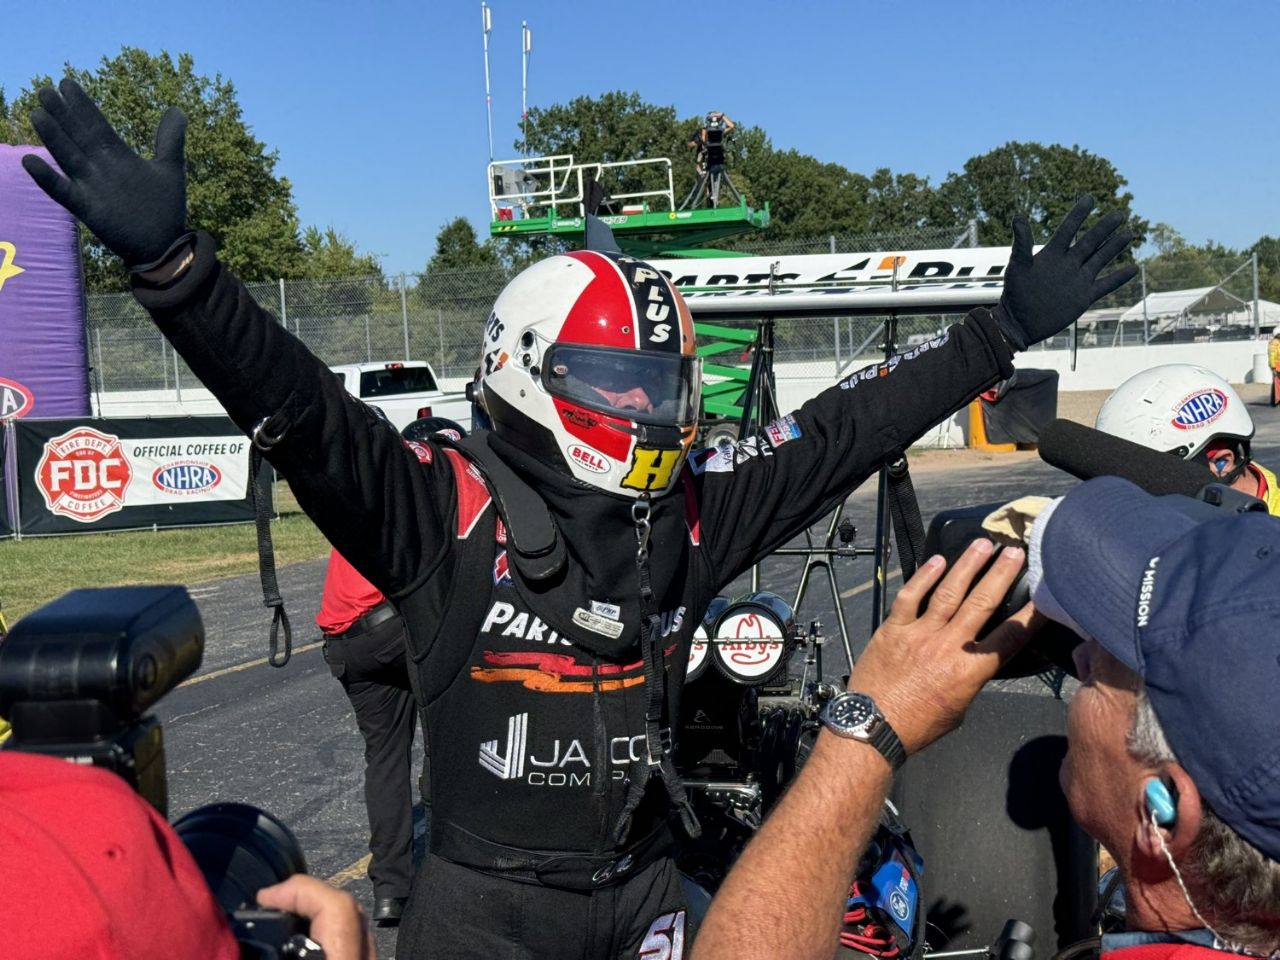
(83, 475)
(15, 399)
(1203, 406)
(186, 477)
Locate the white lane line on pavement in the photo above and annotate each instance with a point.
(864, 587)
(353, 872)
(245, 666)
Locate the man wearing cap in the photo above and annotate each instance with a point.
(1174, 741)
(1173, 759)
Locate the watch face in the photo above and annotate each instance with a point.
(852, 712)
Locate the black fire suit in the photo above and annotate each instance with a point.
(533, 734)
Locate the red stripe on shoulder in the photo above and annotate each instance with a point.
(473, 494)
(692, 512)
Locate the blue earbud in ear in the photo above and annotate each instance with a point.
(1160, 803)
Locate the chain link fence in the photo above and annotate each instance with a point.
(438, 317)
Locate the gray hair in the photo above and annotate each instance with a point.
(1230, 880)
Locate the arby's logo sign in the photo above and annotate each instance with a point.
(83, 475)
(16, 400)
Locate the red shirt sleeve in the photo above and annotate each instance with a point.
(347, 596)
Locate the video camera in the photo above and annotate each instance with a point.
(76, 679)
(1086, 453)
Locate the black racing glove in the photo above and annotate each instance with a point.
(137, 207)
(1048, 292)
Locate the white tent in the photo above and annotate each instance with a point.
(1177, 303)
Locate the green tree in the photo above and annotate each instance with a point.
(1268, 250)
(615, 127)
(457, 246)
(233, 189)
(327, 253)
(1042, 182)
(1179, 265)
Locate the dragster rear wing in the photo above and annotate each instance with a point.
(841, 284)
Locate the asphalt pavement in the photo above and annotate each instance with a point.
(286, 739)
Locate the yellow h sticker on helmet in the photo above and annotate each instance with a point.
(651, 468)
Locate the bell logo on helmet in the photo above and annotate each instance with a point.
(651, 468)
(1200, 408)
(588, 459)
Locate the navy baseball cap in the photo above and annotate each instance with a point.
(1193, 607)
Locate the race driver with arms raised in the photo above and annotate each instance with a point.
(550, 574)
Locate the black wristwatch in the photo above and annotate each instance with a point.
(856, 717)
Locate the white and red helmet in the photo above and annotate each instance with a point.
(589, 365)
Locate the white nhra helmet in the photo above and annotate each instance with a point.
(589, 365)
(1176, 408)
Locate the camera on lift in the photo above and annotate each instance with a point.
(76, 679)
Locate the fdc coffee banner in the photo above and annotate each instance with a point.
(86, 475)
(43, 371)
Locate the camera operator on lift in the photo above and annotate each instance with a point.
(1173, 760)
(709, 158)
(550, 572)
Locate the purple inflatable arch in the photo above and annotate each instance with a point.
(43, 370)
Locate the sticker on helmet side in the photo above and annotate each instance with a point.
(1201, 407)
(656, 310)
(588, 459)
(651, 468)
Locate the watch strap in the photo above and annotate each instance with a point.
(885, 739)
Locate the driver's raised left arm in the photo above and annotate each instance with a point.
(803, 465)
(783, 898)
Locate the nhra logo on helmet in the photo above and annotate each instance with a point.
(15, 399)
(187, 477)
(1203, 406)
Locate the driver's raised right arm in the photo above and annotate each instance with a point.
(353, 476)
(351, 473)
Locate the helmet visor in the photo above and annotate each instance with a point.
(656, 388)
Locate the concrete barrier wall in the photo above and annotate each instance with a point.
(1105, 368)
(1097, 368)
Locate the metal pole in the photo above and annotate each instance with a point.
(880, 581)
(487, 20)
(284, 310)
(404, 316)
(831, 241)
(368, 341)
(97, 339)
(973, 233)
(1257, 314)
(1146, 321)
(177, 385)
(526, 47)
(835, 334)
(440, 327)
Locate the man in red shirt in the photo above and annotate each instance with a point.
(364, 647)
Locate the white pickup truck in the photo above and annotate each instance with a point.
(404, 390)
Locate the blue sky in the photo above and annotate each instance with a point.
(377, 109)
